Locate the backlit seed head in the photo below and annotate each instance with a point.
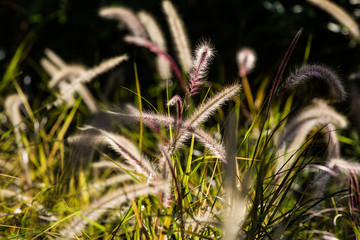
(246, 59)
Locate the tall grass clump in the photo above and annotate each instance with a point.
(203, 159)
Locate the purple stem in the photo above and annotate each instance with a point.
(283, 64)
(354, 197)
(155, 49)
(179, 106)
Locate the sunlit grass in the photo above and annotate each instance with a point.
(218, 163)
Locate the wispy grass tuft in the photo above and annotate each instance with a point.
(246, 59)
(203, 55)
(184, 175)
(339, 14)
(127, 16)
(318, 115)
(71, 78)
(205, 110)
(126, 149)
(158, 38)
(179, 35)
(310, 72)
(12, 107)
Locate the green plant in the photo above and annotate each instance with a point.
(189, 168)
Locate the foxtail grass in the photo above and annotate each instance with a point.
(203, 55)
(339, 14)
(179, 35)
(311, 72)
(182, 176)
(157, 37)
(127, 16)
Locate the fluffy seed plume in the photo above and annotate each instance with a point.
(176, 100)
(205, 110)
(53, 57)
(124, 15)
(104, 66)
(339, 14)
(296, 131)
(62, 77)
(235, 199)
(344, 165)
(70, 71)
(309, 72)
(208, 141)
(157, 119)
(246, 59)
(201, 114)
(352, 170)
(187, 127)
(12, 109)
(157, 37)
(235, 217)
(318, 110)
(126, 149)
(318, 114)
(49, 67)
(179, 35)
(203, 56)
(71, 78)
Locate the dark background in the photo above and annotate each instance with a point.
(78, 34)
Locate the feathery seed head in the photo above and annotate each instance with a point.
(179, 106)
(12, 108)
(246, 60)
(53, 57)
(125, 15)
(67, 73)
(208, 108)
(157, 37)
(317, 115)
(344, 165)
(49, 67)
(208, 141)
(339, 14)
(203, 53)
(179, 35)
(104, 66)
(122, 146)
(321, 72)
(352, 170)
(153, 29)
(70, 78)
(203, 56)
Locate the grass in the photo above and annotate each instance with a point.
(200, 160)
